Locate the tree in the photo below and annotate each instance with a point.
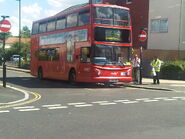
(8, 34)
(25, 32)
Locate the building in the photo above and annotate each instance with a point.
(11, 40)
(164, 21)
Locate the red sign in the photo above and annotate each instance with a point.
(5, 25)
(142, 36)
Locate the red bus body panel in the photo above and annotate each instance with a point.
(85, 72)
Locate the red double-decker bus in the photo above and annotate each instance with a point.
(85, 43)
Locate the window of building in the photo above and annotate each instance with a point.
(61, 23)
(72, 20)
(159, 25)
(128, 1)
(51, 26)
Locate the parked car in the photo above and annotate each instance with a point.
(15, 58)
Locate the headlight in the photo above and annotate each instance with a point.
(98, 72)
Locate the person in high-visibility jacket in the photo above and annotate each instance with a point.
(156, 67)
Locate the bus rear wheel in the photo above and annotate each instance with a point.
(72, 77)
(40, 74)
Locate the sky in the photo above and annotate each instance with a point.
(32, 10)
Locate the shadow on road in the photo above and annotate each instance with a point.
(31, 82)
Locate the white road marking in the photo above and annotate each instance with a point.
(143, 99)
(130, 102)
(123, 100)
(169, 99)
(100, 102)
(86, 105)
(6, 111)
(78, 103)
(179, 97)
(61, 107)
(53, 105)
(26, 95)
(103, 104)
(162, 98)
(150, 100)
(26, 107)
(36, 109)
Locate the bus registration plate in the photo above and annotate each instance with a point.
(114, 81)
(123, 73)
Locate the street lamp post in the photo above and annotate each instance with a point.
(19, 32)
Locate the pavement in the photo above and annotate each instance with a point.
(165, 85)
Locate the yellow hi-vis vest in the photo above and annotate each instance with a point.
(156, 64)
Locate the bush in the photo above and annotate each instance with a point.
(173, 70)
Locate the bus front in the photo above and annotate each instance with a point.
(111, 43)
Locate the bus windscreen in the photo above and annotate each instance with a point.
(111, 16)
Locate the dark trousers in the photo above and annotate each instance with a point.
(156, 78)
(136, 74)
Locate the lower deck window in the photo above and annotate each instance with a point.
(85, 55)
(48, 54)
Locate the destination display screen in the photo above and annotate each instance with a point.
(112, 35)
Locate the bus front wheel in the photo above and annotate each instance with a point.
(72, 77)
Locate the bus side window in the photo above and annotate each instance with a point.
(85, 55)
(84, 18)
(35, 28)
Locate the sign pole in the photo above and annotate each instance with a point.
(141, 64)
(142, 38)
(4, 27)
(4, 62)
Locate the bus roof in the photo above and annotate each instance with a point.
(76, 7)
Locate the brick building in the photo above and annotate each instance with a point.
(11, 40)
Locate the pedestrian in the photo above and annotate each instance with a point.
(136, 68)
(156, 67)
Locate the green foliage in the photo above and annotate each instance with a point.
(8, 34)
(23, 51)
(173, 70)
(25, 32)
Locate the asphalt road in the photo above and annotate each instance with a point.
(86, 111)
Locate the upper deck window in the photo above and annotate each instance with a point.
(111, 16)
(121, 17)
(72, 20)
(42, 27)
(128, 1)
(61, 23)
(51, 26)
(84, 18)
(97, 1)
(35, 28)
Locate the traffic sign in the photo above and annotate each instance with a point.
(142, 36)
(5, 26)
